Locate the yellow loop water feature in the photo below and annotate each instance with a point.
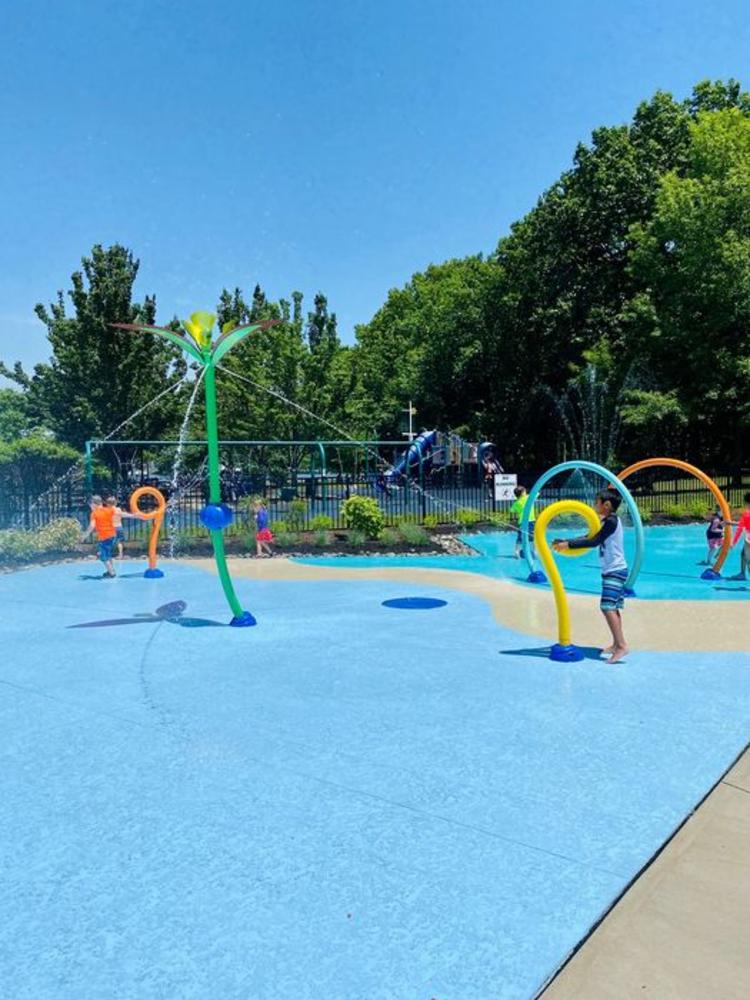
(564, 650)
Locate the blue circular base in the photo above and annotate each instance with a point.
(629, 592)
(565, 654)
(153, 574)
(536, 577)
(245, 620)
(710, 574)
(414, 603)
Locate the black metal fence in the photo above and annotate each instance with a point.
(306, 501)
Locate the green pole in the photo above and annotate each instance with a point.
(214, 484)
(89, 471)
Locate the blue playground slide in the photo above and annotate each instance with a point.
(418, 450)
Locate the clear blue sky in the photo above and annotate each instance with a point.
(334, 145)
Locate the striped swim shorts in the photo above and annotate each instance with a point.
(613, 590)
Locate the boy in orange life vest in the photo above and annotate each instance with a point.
(102, 522)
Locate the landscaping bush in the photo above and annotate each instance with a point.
(188, 541)
(357, 539)
(410, 519)
(698, 509)
(62, 535)
(363, 514)
(320, 539)
(390, 537)
(646, 513)
(467, 517)
(431, 521)
(499, 518)
(676, 511)
(413, 534)
(279, 528)
(295, 515)
(321, 522)
(287, 540)
(18, 546)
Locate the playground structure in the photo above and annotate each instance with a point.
(434, 453)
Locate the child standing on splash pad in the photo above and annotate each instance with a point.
(103, 523)
(613, 566)
(743, 528)
(714, 536)
(516, 511)
(117, 522)
(263, 536)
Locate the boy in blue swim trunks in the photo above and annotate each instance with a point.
(614, 568)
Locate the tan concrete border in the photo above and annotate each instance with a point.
(677, 626)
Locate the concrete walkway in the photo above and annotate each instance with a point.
(682, 931)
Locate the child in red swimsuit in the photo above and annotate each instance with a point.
(743, 529)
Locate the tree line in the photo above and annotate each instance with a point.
(630, 274)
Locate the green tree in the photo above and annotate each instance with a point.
(428, 343)
(97, 376)
(300, 374)
(14, 416)
(694, 257)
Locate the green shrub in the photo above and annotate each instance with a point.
(409, 519)
(363, 514)
(431, 521)
(287, 540)
(413, 534)
(18, 546)
(390, 537)
(675, 511)
(499, 518)
(646, 513)
(467, 517)
(698, 509)
(188, 541)
(320, 539)
(62, 535)
(280, 528)
(321, 522)
(295, 515)
(357, 539)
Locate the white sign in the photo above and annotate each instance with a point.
(505, 483)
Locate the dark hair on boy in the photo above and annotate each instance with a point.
(518, 491)
(612, 497)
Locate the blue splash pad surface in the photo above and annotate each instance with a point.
(341, 803)
(670, 568)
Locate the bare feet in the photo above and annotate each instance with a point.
(608, 651)
(618, 653)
